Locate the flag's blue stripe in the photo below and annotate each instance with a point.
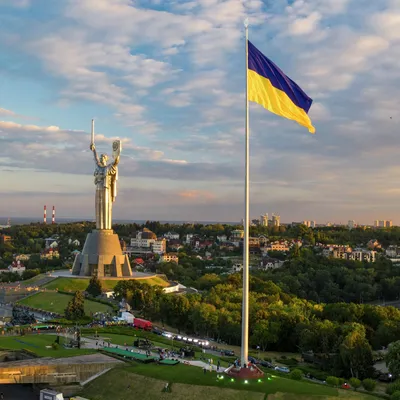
(266, 68)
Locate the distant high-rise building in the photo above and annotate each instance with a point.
(351, 224)
(276, 220)
(310, 224)
(264, 220)
(383, 223)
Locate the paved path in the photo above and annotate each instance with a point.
(89, 343)
(66, 273)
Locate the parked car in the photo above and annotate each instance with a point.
(286, 370)
(253, 360)
(157, 331)
(230, 353)
(266, 364)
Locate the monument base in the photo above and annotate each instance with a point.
(252, 372)
(102, 256)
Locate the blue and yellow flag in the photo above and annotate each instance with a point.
(272, 89)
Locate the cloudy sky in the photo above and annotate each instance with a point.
(167, 77)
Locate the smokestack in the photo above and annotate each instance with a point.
(53, 217)
(44, 215)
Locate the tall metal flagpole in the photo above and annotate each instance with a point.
(245, 301)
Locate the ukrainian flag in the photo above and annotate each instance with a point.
(272, 89)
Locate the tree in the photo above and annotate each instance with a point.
(265, 333)
(75, 309)
(355, 383)
(296, 374)
(369, 384)
(393, 358)
(356, 352)
(94, 288)
(395, 395)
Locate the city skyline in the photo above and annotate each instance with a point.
(169, 81)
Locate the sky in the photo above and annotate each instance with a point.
(168, 79)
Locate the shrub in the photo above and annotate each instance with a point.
(393, 387)
(317, 374)
(54, 346)
(332, 380)
(341, 381)
(369, 384)
(395, 395)
(355, 383)
(296, 374)
(291, 362)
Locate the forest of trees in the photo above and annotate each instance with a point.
(343, 334)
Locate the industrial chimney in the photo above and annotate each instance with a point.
(44, 215)
(53, 217)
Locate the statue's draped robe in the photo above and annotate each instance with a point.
(105, 179)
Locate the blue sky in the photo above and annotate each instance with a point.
(167, 77)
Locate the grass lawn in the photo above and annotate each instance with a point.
(57, 302)
(37, 344)
(194, 376)
(119, 384)
(190, 382)
(74, 284)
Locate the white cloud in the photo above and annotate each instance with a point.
(305, 25)
(9, 113)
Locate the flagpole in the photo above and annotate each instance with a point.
(245, 301)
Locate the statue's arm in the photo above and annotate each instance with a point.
(96, 158)
(116, 161)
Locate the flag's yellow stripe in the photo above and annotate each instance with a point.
(261, 91)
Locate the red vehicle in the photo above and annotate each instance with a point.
(142, 324)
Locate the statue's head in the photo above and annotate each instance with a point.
(103, 159)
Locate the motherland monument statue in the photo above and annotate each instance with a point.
(102, 254)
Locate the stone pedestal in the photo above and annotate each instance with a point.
(102, 256)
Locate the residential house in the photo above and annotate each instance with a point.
(74, 242)
(279, 245)
(171, 236)
(189, 238)
(17, 267)
(5, 239)
(363, 255)
(236, 235)
(49, 253)
(147, 242)
(169, 257)
(198, 243)
(236, 268)
(229, 246)
(373, 244)
(50, 243)
(159, 246)
(270, 263)
(175, 246)
(392, 251)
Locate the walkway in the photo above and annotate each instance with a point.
(66, 273)
(89, 343)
